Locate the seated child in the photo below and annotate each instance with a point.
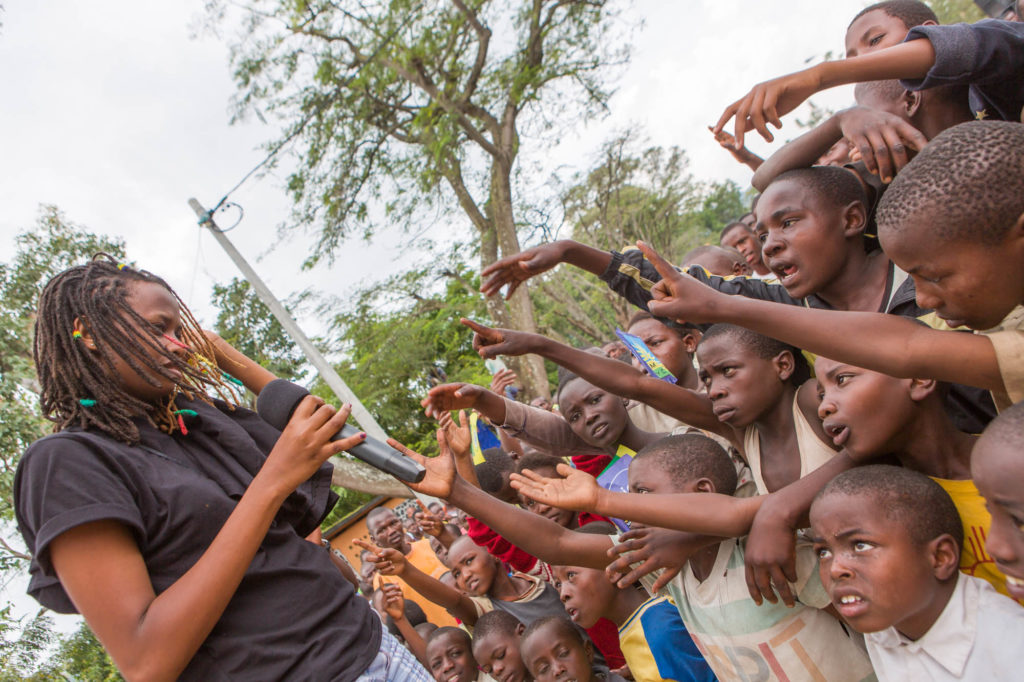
(995, 465)
(450, 657)
(889, 544)
(962, 241)
(552, 649)
(719, 260)
(496, 640)
(738, 639)
(651, 633)
(871, 415)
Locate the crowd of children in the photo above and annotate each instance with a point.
(797, 462)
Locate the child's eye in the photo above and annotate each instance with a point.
(876, 39)
(728, 371)
(823, 553)
(788, 222)
(843, 378)
(861, 546)
(762, 237)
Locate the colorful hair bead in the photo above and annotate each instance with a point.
(76, 334)
(86, 402)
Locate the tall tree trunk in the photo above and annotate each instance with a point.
(530, 368)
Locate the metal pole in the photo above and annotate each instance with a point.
(324, 368)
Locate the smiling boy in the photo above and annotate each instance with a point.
(888, 541)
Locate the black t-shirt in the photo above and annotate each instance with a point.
(292, 617)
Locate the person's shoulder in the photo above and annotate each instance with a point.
(993, 608)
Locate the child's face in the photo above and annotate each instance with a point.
(666, 345)
(746, 243)
(741, 385)
(563, 517)
(472, 567)
(498, 655)
(586, 593)
(647, 477)
(551, 654)
(964, 282)
(876, 575)
(450, 659)
(864, 412)
(156, 305)
(804, 239)
(874, 31)
(596, 416)
(996, 470)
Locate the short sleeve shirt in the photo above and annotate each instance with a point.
(293, 616)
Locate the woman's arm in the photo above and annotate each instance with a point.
(231, 360)
(153, 636)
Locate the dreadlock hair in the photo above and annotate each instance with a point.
(911, 12)
(965, 185)
(79, 391)
(763, 347)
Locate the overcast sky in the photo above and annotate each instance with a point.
(113, 112)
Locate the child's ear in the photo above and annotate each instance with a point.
(922, 388)
(911, 102)
(705, 485)
(784, 365)
(945, 556)
(83, 332)
(691, 341)
(520, 629)
(855, 219)
(588, 648)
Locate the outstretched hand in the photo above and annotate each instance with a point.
(490, 342)
(387, 561)
(767, 102)
(440, 476)
(502, 379)
(516, 269)
(578, 491)
(880, 139)
(449, 397)
(460, 440)
(650, 549)
(394, 601)
(678, 296)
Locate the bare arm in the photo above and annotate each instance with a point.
(154, 637)
(770, 100)
(882, 343)
(232, 361)
(613, 376)
(516, 269)
(704, 513)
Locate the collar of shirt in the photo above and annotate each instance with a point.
(950, 639)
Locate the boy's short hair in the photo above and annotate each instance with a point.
(597, 528)
(968, 183)
(501, 622)
(537, 460)
(691, 456)
(1008, 428)
(490, 476)
(562, 622)
(910, 498)
(838, 186)
(764, 347)
(449, 630)
(911, 12)
(887, 90)
(736, 224)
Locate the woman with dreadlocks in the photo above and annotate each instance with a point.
(173, 521)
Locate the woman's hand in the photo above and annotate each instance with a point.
(305, 444)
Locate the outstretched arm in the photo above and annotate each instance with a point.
(229, 359)
(394, 606)
(889, 344)
(613, 376)
(703, 513)
(516, 269)
(535, 534)
(769, 101)
(391, 562)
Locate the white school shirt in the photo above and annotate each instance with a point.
(976, 637)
